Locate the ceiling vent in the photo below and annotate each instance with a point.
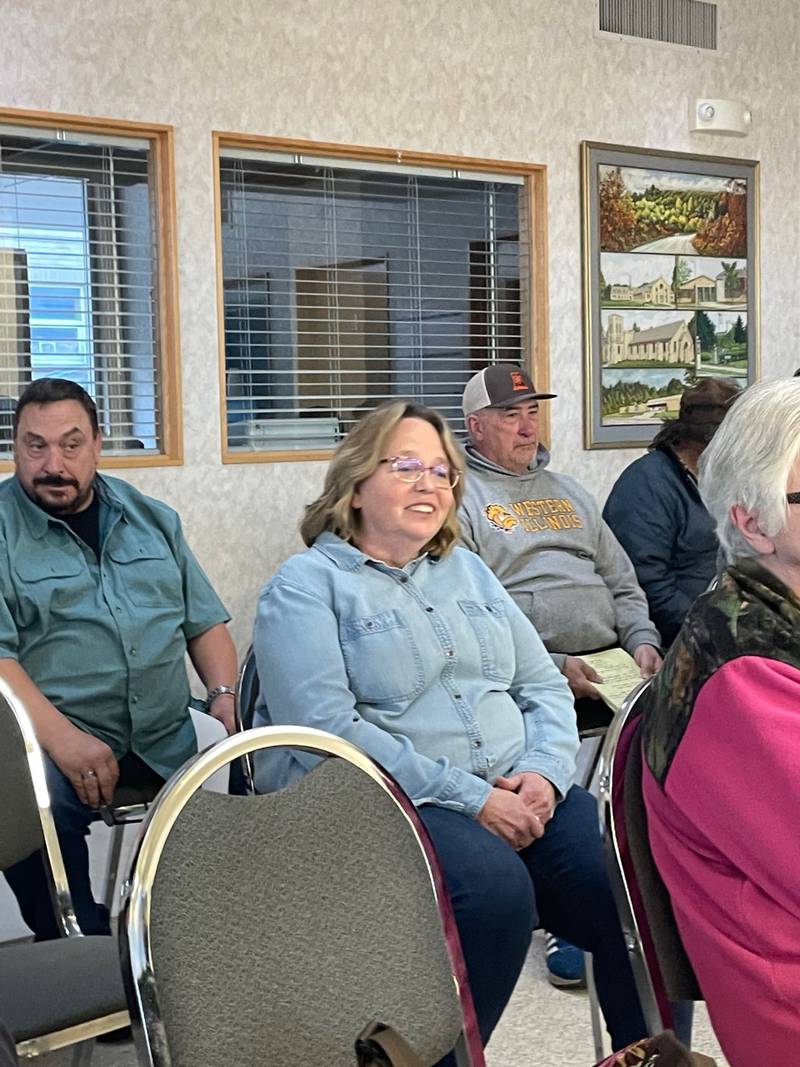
(685, 22)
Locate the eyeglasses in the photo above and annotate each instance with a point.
(411, 469)
(793, 498)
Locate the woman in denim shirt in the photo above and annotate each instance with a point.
(388, 634)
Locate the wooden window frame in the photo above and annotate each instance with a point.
(536, 326)
(168, 363)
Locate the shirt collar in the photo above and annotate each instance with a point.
(38, 520)
(349, 558)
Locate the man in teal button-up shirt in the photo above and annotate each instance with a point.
(101, 599)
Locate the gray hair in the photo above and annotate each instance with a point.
(750, 459)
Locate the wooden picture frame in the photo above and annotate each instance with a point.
(670, 280)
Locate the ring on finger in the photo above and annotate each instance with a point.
(89, 774)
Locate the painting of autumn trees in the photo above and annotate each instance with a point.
(674, 212)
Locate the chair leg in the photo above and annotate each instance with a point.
(117, 837)
(461, 1052)
(82, 1053)
(598, 1029)
(592, 760)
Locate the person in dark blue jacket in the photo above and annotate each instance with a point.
(656, 512)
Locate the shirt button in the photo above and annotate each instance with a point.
(132, 651)
(456, 696)
(403, 578)
(429, 609)
(134, 699)
(477, 744)
(448, 652)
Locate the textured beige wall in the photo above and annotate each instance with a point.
(510, 79)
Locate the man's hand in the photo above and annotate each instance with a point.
(580, 677)
(222, 708)
(505, 814)
(534, 790)
(87, 762)
(648, 660)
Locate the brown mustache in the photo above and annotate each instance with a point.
(55, 480)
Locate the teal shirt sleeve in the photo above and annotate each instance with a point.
(9, 638)
(204, 608)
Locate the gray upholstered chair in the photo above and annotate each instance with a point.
(53, 993)
(272, 929)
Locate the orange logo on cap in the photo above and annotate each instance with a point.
(517, 381)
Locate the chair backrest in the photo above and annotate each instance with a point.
(274, 928)
(27, 821)
(247, 690)
(242, 772)
(661, 968)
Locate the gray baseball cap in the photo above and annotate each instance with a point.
(500, 386)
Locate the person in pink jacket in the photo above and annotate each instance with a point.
(722, 740)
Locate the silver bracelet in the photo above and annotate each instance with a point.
(217, 691)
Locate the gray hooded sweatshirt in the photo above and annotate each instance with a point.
(543, 536)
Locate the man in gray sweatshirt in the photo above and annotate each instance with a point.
(543, 536)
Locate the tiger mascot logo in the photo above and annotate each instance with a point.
(500, 517)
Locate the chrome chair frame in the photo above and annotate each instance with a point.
(608, 773)
(134, 930)
(247, 689)
(128, 812)
(117, 817)
(59, 888)
(595, 734)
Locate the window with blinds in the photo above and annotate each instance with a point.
(347, 283)
(79, 277)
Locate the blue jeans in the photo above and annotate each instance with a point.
(72, 818)
(559, 882)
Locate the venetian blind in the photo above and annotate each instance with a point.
(78, 275)
(348, 283)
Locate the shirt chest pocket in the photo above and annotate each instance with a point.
(53, 586)
(146, 573)
(489, 623)
(382, 658)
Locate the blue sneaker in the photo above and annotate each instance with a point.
(565, 967)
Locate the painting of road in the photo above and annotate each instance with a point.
(671, 213)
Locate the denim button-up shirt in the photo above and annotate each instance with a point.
(105, 640)
(431, 669)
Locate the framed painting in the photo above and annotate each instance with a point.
(670, 280)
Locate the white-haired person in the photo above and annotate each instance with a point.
(388, 634)
(722, 739)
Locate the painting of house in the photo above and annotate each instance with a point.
(664, 405)
(699, 290)
(671, 342)
(658, 291)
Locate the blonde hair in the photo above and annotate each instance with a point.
(358, 456)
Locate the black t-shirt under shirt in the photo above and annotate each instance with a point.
(86, 524)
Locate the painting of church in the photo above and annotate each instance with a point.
(671, 343)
